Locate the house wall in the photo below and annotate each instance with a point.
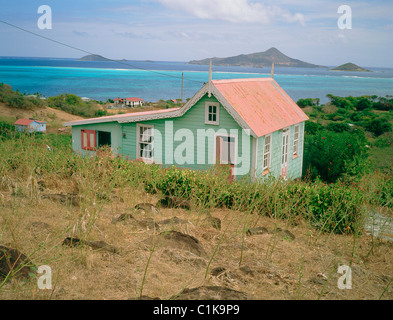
(114, 128)
(191, 148)
(294, 164)
(33, 127)
(188, 130)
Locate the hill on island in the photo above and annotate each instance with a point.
(258, 60)
(93, 57)
(350, 67)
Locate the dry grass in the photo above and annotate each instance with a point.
(271, 267)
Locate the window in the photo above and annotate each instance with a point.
(104, 139)
(296, 141)
(228, 150)
(145, 142)
(267, 152)
(89, 140)
(212, 113)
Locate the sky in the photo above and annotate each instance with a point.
(183, 30)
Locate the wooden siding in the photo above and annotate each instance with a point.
(193, 144)
(113, 128)
(294, 164)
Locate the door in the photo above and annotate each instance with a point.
(226, 152)
(284, 154)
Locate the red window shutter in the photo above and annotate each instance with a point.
(89, 140)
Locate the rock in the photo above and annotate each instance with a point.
(214, 222)
(95, 245)
(210, 293)
(256, 231)
(72, 242)
(123, 217)
(72, 199)
(148, 208)
(11, 260)
(285, 234)
(173, 202)
(180, 256)
(174, 220)
(217, 271)
(104, 246)
(246, 270)
(177, 240)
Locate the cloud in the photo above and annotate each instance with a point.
(234, 11)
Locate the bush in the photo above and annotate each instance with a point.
(378, 126)
(302, 103)
(329, 155)
(338, 127)
(312, 127)
(340, 102)
(364, 104)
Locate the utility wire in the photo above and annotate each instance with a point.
(84, 51)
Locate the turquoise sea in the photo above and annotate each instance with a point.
(154, 80)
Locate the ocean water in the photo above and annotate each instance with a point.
(154, 80)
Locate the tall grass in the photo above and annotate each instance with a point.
(27, 161)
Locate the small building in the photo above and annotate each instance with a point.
(250, 125)
(129, 102)
(30, 125)
(133, 102)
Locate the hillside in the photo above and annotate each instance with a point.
(199, 253)
(54, 117)
(258, 60)
(350, 67)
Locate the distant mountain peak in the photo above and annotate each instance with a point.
(258, 60)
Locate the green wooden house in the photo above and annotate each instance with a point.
(250, 125)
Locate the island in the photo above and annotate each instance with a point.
(93, 57)
(258, 60)
(350, 67)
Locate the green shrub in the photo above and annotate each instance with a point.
(312, 127)
(378, 126)
(329, 154)
(338, 127)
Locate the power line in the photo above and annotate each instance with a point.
(90, 53)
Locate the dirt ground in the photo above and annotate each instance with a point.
(167, 259)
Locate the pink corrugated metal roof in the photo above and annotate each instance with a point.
(133, 99)
(261, 103)
(26, 122)
(120, 117)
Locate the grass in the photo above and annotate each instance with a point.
(280, 268)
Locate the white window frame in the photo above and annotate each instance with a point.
(207, 113)
(139, 142)
(296, 141)
(267, 153)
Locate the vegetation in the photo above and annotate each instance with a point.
(15, 99)
(69, 103)
(350, 67)
(326, 210)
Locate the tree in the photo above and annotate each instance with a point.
(364, 104)
(379, 126)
